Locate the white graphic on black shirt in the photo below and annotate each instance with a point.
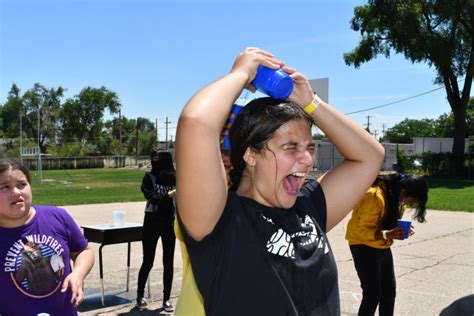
(280, 243)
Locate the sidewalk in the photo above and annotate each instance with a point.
(433, 268)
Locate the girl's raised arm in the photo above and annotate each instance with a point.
(201, 178)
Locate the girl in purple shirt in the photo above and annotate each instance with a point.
(37, 244)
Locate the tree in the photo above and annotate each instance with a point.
(144, 138)
(81, 116)
(11, 112)
(404, 131)
(439, 32)
(445, 122)
(45, 103)
(38, 101)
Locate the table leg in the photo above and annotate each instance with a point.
(128, 265)
(149, 291)
(101, 274)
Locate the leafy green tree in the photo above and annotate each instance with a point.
(82, 116)
(145, 136)
(74, 149)
(439, 32)
(47, 104)
(135, 134)
(123, 130)
(445, 122)
(11, 113)
(20, 112)
(118, 130)
(404, 131)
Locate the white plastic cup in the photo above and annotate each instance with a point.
(119, 218)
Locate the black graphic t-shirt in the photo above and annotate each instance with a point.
(268, 261)
(155, 190)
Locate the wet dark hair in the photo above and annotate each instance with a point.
(392, 185)
(163, 167)
(256, 124)
(13, 165)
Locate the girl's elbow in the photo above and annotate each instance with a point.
(380, 153)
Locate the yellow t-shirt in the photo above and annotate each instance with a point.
(190, 302)
(366, 215)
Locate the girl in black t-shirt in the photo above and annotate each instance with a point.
(265, 232)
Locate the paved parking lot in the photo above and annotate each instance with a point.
(433, 268)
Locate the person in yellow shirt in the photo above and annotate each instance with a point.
(190, 302)
(371, 231)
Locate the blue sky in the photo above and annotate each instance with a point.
(155, 54)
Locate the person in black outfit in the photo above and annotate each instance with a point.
(159, 216)
(263, 249)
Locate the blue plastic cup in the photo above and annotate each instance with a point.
(273, 82)
(406, 227)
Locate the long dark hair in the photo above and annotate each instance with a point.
(162, 165)
(392, 185)
(256, 124)
(13, 165)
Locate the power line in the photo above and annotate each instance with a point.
(395, 102)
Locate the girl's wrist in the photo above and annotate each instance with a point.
(242, 76)
(313, 105)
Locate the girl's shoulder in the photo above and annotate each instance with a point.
(50, 209)
(53, 213)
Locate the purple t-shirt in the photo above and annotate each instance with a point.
(35, 259)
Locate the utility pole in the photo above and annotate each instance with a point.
(157, 139)
(120, 131)
(166, 137)
(136, 144)
(21, 130)
(40, 168)
(375, 133)
(383, 131)
(368, 124)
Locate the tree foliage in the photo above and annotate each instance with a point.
(404, 131)
(438, 32)
(82, 116)
(11, 111)
(443, 126)
(38, 107)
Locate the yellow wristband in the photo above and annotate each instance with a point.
(313, 105)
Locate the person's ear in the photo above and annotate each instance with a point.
(250, 157)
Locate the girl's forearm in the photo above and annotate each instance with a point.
(351, 140)
(83, 262)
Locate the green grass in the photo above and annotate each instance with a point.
(451, 194)
(87, 186)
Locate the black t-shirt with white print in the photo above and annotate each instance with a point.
(267, 261)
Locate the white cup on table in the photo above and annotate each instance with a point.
(119, 218)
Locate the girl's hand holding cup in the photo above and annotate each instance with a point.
(302, 93)
(248, 61)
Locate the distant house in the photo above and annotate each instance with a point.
(327, 155)
(436, 145)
